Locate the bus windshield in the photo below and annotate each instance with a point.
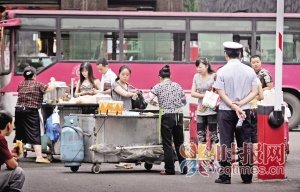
(35, 43)
(35, 48)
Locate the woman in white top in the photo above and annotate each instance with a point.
(202, 82)
(88, 84)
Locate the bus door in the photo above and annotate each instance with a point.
(5, 53)
(5, 32)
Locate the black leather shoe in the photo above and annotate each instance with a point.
(247, 182)
(166, 173)
(221, 181)
(184, 171)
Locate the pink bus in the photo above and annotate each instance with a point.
(55, 42)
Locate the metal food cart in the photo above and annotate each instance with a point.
(132, 137)
(64, 110)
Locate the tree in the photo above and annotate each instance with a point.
(190, 5)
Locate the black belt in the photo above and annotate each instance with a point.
(25, 108)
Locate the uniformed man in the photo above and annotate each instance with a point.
(236, 84)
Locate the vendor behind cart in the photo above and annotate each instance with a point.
(121, 90)
(27, 118)
(88, 84)
(108, 76)
(171, 98)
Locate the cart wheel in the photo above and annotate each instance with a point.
(96, 168)
(24, 154)
(50, 157)
(74, 169)
(148, 166)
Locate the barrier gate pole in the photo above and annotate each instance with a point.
(271, 148)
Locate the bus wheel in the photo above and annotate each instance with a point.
(294, 106)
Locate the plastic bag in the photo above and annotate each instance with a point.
(211, 99)
(139, 102)
(53, 128)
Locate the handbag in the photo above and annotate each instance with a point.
(139, 102)
(211, 99)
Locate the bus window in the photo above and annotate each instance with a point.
(210, 45)
(207, 38)
(291, 48)
(35, 48)
(38, 23)
(89, 38)
(89, 23)
(220, 25)
(89, 45)
(158, 43)
(265, 44)
(265, 47)
(245, 40)
(291, 44)
(154, 24)
(154, 46)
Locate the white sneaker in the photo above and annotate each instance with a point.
(27, 146)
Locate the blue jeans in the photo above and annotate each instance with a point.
(12, 180)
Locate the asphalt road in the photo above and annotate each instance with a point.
(55, 177)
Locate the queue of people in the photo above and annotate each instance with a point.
(238, 86)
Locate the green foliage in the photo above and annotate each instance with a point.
(190, 5)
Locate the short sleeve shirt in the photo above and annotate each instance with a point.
(201, 87)
(117, 97)
(264, 77)
(236, 79)
(169, 95)
(4, 151)
(30, 93)
(108, 78)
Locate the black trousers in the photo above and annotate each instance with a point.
(171, 130)
(227, 120)
(253, 114)
(207, 120)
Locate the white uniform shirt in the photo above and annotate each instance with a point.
(236, 79)
(108, 77)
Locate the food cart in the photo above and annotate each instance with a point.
(132, 137)
(99, 131)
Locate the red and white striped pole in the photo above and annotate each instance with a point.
(276, 118)
(271, 141)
